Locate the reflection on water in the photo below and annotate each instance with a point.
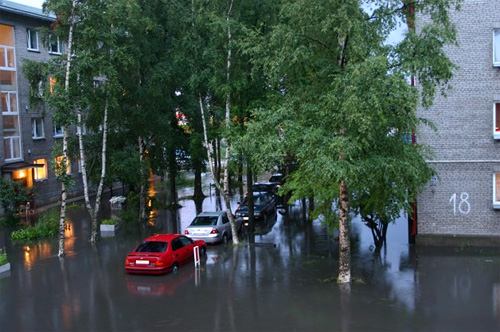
(289, 286)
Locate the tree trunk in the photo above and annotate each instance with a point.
(62, 215)
(240, 177)
(143, 186)
(94, 212)
(198, 190)
(251, 206)
(344, 240)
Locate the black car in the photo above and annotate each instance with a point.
(264, 207)
(264, 188)
(276, 179)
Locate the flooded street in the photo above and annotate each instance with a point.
(284, 283)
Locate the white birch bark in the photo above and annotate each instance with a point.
(62, 216)
(93, 211)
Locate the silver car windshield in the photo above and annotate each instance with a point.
(205, 221)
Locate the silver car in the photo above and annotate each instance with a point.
(212, 227)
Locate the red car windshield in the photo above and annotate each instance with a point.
(152, 246)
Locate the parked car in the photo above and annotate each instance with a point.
(264, 207)
(277, 179)
(264, 187)
(211, 227)
(162, 253)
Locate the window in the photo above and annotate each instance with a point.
(52, 84)
(40, 172)
(496, 190)
(496, 47)
(496, 120)
(8, 87)
(54, 45)
(37, 128)
(58, 165)
(32, 37)
(58, 131)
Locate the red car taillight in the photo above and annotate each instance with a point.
(186, 232)
(214, 231)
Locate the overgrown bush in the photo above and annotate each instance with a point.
(9, 220)
(13, 194)
(46, 226)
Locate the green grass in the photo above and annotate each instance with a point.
(46, 226)
(3, 257)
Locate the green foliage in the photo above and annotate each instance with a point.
(10, 220)
(131, 212)
(3, 257)
(339, 101)
(47, 226)
(12, 195)
(108, 222)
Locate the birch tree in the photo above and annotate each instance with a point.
(339, 97)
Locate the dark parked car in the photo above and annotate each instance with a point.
(264, 187)
(277, 179)
(264, 207)
(162, 253)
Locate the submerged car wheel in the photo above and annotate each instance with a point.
(175, 268)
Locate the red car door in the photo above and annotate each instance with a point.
(183, 252)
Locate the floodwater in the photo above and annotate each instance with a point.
(286, 282)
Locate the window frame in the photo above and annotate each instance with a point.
(496, 120)
(57, 133)
(36, 169)
(34, 133)
(58, 44)
(496, 203)
(496, 39)
(29, 32)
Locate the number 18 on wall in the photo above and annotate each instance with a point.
(460, 204)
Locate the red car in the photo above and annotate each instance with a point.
(162, 253)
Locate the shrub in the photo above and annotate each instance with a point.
(10, 220)
(46, 226)
(3, 257)
(108, 221)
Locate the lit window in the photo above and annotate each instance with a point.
(40, 172)
(58, 165)
(52, 83)
(58, 131)
(32, 37)
(9, 102)
(54, 45)
(496, 191)
(496, 120)
(37, 128)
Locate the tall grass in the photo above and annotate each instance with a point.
(46, 226)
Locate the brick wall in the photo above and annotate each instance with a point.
(466, 155)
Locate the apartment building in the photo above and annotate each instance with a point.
(462, 204)
(28, 135)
